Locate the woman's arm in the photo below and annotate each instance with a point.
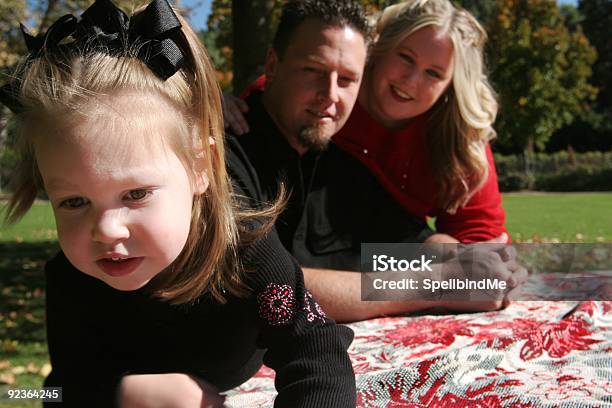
(482, 218)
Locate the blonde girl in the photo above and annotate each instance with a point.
(167, 289)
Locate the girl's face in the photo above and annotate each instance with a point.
(409, 79)
(123, 210)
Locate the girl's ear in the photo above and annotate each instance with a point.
(201, 175)
(201, 183)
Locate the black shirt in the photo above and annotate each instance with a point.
(97, 334)
(335, 203)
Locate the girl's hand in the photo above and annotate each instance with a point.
(167, 391)
(233, 114)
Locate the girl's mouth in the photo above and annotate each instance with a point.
(118, 266)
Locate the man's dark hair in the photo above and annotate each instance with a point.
(335, 13)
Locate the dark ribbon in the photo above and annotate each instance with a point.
(103, 24)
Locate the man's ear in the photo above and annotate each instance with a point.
(271, 64)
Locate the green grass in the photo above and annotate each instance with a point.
(24, 247)
(38, 225)
(559, 217)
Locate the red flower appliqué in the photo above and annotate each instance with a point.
(312, 308)
(276, 304)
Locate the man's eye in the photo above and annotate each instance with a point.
(137, 195)
(346, 81)
(74, 203)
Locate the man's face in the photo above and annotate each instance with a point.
(311, 90)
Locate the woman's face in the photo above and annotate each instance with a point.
(406, 81)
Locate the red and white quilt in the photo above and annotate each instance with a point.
(531, 354)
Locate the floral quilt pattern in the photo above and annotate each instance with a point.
(531, 354)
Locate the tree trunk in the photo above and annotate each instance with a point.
(46, 18)
(251, 21)
(529, 165)
(4, 112)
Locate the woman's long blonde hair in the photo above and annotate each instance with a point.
(58, 85)
(460, 123)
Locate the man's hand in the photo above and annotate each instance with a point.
(488, 260)
(167, 391)
(233, 114)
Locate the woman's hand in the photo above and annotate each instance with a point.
(233, 114)
(167, 391)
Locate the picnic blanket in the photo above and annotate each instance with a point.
(533, 353)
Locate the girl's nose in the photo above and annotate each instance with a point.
(110, 227)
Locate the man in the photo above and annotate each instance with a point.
(313, 73)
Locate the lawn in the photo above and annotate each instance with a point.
(23, 350)
(579, 217)
(554, 217)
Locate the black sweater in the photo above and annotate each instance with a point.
(97, 334)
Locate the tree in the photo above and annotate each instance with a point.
(572, 16)
(540, 70)
(219, 37)
(484, 11)
(598, 28)
(251, 21)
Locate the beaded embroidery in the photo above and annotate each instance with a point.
(312, 308)
(276, 304)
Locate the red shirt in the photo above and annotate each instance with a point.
(399, 160)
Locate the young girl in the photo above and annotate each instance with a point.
(165, 289)
(424, 118)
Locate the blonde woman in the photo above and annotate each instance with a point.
(424, 119)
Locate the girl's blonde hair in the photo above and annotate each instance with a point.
(67, 85)
(460, 122)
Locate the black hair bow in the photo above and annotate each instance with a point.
(104, 26)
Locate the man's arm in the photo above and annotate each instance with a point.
(339, 294)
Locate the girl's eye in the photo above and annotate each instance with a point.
(73, 203)
(138, 195)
